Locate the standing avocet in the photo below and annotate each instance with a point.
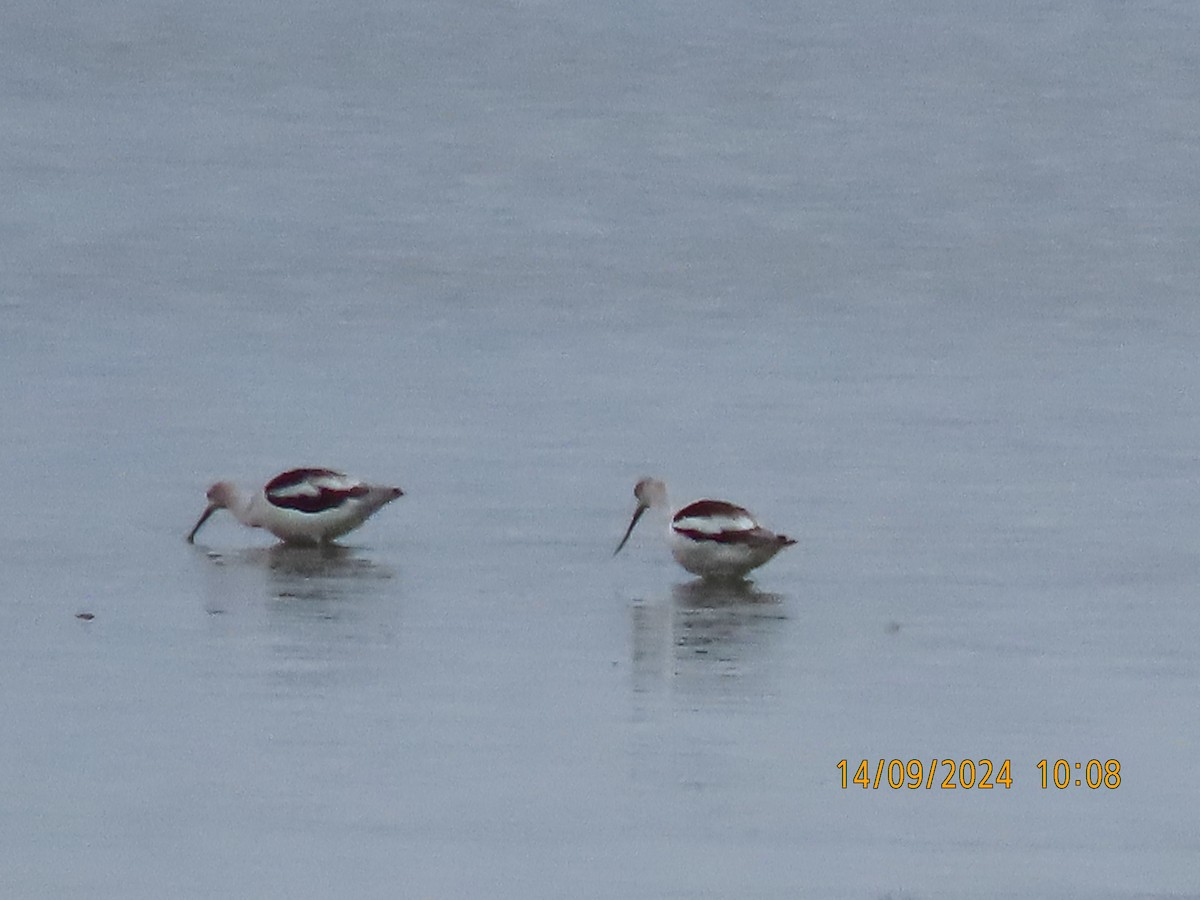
(303, 506)
(709, 538)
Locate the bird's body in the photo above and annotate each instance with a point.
(302, 506)
(709, 538)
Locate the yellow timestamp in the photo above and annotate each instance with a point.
(915, 774)
(973, 774)
(1065, 773)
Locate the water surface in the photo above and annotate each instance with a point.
(915, 283)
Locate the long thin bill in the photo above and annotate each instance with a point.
(628, 531)
(191, 538)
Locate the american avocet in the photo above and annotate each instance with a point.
(709, 538)
(304, 506)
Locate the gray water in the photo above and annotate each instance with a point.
(916, 282)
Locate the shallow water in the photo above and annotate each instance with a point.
(915, 283)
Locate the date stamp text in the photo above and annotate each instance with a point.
(974, 774)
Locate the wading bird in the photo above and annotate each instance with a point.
(303, 506)
(709, 538)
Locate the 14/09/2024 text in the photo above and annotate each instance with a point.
(977, 774)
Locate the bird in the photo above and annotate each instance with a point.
(301, 506)
(710, 538)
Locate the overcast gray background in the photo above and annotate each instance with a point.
(914, 281)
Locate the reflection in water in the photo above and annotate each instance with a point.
(319, 573)
(705, 657)
(305, 617)
(705, 628)
(713, 617)
(702, 593)
(323, 573)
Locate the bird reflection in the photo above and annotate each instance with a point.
(706, 648)
(705, 593)
(713, 617)
(324, 561)
(705, 629)
(324, 572)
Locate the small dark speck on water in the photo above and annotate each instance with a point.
(892, 628)
(86, 616)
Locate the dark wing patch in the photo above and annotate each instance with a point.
(711, 509)
(717, 537)
(312, 490)
(296, 477)
(749, 537)
(718, 522)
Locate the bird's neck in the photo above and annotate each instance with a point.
(246, 507)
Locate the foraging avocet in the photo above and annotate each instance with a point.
(304, 506)
(709, 538)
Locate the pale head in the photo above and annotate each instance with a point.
(221, 495)
(650, 493)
